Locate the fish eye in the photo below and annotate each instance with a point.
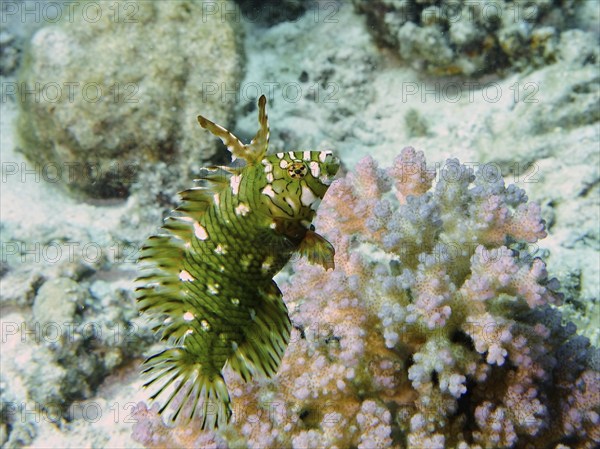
(297, 170)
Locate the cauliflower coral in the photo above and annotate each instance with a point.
(436, 328)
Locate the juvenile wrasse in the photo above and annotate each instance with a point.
(207, 278)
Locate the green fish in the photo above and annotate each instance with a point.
(207, 279)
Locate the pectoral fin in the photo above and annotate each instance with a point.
(317, 250)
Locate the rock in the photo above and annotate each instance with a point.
(63, 352)
(578, 47)
(9, 53)
(107, 96)
(56, 301)
(19, 287)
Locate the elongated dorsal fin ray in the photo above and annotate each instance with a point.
(233, 144)
(258, 146)
(260, 142)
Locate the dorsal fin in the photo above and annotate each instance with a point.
(194, 201)
(257, 148)
(260, 142)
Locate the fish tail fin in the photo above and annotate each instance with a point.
(266, 338)
(193, 389)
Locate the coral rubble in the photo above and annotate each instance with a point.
(470, 37)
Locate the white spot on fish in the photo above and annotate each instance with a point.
(268, 190)
(235, 301)
(291, 154)
(283, 163)
(235, 183)
(267, 264)
(216, 199)
(221, 249)
(315, 170)
(189, 331)
(306, 155)
(188, 316)
(270, 177)
(280, 155)
(213, 289)
(205, 325)
(242, 209)
(273, 225)
(307, 197)
(185, 276)
(199, 231)
(291, 203)
(268, 166)
(323, 155)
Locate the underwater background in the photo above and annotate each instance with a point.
(464, 308)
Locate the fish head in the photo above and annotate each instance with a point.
(295, 182)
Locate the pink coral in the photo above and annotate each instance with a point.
(411, 174)
(434, 330)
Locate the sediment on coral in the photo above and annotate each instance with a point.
(437, 328)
